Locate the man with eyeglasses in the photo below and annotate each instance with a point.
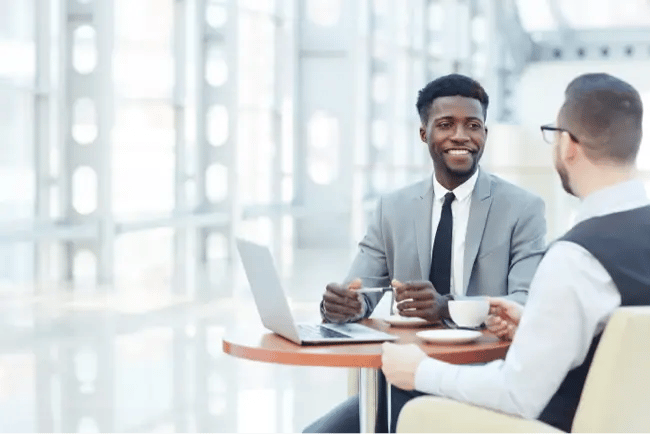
(602, 263)
(550, 134)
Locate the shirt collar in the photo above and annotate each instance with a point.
(461, 192)
(620, 197)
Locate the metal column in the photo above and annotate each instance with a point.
(400, 61)
(325, 121)
(181, 176)
(86, 157)
(382, 96)
(507, 50)
(216, 31)
(281, 88)
(43, 131)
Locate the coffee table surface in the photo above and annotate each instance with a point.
(259, 344)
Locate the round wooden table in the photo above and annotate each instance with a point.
(272, 348)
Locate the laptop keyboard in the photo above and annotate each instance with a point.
(318, 332)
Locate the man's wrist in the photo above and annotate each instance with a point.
(360, 316)
(323, 314)
(364, 310)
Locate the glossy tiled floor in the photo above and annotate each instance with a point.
(137, 358)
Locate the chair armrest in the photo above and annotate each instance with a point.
(433, 414)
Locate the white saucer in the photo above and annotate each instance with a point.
(406, 321)
(447, 336)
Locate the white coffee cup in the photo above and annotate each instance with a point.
(469, 313)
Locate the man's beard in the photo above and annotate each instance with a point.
(465, 173)
(564, 177)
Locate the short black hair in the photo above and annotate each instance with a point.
(606, 114)
(450, 85)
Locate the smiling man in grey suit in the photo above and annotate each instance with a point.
(462, 232)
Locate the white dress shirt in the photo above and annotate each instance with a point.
(571, 299)
(460, 216)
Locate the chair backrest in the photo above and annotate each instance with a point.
(615, 396)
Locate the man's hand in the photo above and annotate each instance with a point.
(341, 303)
(399, 363)
(420, 299)
(504, 318)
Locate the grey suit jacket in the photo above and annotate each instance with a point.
(504, 243)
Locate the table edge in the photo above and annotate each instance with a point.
(305, 359)
(460, 357)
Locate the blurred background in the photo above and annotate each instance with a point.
(139, 137)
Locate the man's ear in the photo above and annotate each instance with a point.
(423, 133)
(572, 147)
(567, 147)
(486, 131)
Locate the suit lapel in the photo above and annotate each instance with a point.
(422, 209)
(481, 201)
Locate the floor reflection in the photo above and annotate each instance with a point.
(148, 358)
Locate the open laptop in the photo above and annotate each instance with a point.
(274, 309)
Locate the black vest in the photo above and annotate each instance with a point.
(621, 243)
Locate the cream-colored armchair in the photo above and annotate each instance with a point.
(615, 397)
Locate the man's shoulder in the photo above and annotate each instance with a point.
(411, 191)
(506, 190)
(500, 189)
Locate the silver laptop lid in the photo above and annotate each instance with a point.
(269, 296)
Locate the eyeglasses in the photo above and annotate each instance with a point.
(549, 132)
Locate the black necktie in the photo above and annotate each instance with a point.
(440, 274)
